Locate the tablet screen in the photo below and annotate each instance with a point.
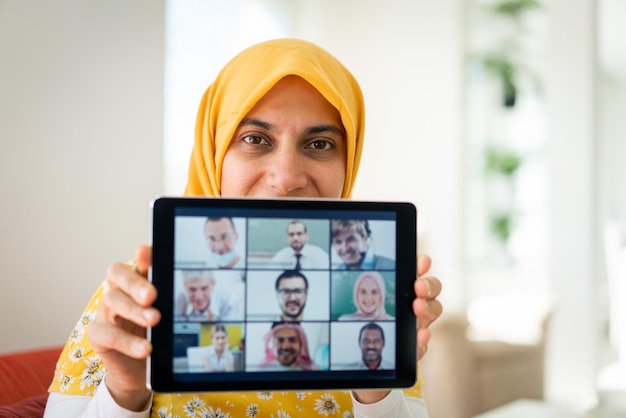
(282, 294)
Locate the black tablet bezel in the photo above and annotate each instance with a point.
(161, 376)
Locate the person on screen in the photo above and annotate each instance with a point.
(291, 290)
(286, 348)
(369, 299)
(219, 358)
(352, 241)
(371, 342)
(299, 254)
(221, 237)
(284, 118)
(202, 301)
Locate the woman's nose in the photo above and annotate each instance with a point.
(286, 172)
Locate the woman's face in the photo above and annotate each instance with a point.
(219, 340)
(291, 144)
(368, 296)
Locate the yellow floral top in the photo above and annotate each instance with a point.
(79, 371)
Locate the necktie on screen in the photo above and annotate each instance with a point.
(298, 261)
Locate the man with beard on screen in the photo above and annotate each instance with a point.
(291, 290)
(286, 348)
(371, 343)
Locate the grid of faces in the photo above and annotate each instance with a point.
(279, 294)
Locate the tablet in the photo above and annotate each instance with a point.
(282, 294)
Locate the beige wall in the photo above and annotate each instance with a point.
(80, 153)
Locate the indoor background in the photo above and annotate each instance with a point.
(97, 108)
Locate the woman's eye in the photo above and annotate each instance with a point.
(320, 144)
(255, 140)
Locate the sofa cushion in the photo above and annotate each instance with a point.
(26, 374)
(28, 408)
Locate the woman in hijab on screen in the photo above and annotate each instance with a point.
(369, 299)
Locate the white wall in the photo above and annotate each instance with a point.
(612, 108)
(570, 91)
(408, 59)
(81, 98)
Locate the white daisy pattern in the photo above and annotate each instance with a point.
(265, 395)
(215, 413)
(66, 382)
(77, 333)
(93, 373)
(77, 354)
(326, 405)
(164, 413)
(79, 371)
(252, 410)
(194, 407)
(87, 318)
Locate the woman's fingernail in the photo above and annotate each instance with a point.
(148, 315)
(139, 347)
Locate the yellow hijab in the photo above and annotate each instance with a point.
(245, 80)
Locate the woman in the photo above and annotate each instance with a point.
(369, 299)
(219, 357)
(284, 118)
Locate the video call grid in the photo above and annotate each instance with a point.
(248, 272)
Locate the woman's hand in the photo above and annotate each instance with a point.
(118, 333)
(426, 307)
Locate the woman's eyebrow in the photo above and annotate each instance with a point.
(256, 122)
(318, 129)
(312, 130)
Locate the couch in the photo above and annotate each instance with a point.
(466, 376)
(24, 380)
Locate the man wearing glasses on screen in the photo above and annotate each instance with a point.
(291, 290)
